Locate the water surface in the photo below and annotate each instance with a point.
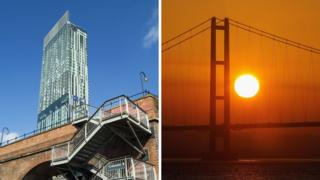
(261, 169)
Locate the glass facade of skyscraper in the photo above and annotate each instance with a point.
(64, 75)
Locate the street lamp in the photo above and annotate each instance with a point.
(3, 129)
(143, 78)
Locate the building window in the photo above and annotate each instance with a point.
(81, 41)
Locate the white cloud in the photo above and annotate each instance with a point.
(9, 136)
(152, 35)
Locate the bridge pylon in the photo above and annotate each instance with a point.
(219, 140)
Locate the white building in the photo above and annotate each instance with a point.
(64, 75)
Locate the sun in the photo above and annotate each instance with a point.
(246, 86)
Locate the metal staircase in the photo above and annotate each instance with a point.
(125, 168)
(118, 127)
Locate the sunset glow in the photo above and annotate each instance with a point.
(246, 86)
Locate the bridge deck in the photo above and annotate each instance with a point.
(244, 126)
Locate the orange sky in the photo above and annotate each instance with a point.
(295, 19)
(290, 78)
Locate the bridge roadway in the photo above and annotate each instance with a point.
(245, 126)
(30, 158)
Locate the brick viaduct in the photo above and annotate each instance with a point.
(30, 158)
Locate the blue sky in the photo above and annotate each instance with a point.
(122, 41)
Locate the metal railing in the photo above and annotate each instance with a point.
(127, 168)
(35, 132)
(91, 110)
(142, 94)
(116, 107)
(98, 161)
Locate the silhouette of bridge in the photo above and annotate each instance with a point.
(296, 106)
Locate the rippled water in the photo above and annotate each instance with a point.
(242, 170)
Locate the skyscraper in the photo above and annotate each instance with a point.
(64, 75)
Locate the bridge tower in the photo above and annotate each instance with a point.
(219, 140)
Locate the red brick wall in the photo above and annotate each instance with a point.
(11, 168)
(149, 104)
(17, 159)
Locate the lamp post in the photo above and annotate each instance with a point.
(143, 78)
(3, 129)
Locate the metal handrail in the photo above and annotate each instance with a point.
(35, 132)
(59, 124)
(135, 104)
(130, 169)
(103, 166)
(113, 104)
(98, 169)
(142, 94)
(76, 142)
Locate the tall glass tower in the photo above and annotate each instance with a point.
(64, 75)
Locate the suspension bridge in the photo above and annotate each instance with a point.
(200, 64)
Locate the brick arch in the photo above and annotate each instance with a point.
(19, 168)
(18, 158)
(34, 161)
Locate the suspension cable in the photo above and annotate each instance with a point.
(245, 27)
(185, 32)
(273, 36)
(188, 38)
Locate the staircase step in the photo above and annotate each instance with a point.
(96, 141)
(86, 153)
(100, 137)
(93, 146)
(80, 158)
(92, 149)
